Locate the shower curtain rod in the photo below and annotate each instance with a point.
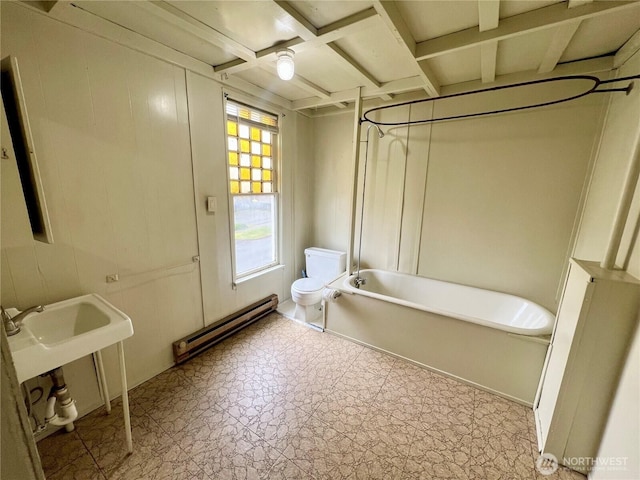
(592, 89)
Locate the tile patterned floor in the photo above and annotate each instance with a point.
(282, 401)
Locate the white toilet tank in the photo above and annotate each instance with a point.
(325, 265)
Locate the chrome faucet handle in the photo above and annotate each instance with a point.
(9, 325)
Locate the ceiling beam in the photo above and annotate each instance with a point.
(329, 33)
(178, 18)
(559, 43)
(628, 50)
(489, 14)
(584, 67)
(489, 18)
(306, 30)
(303, 27)
(578, 3)
(249, 88)
(543, 18)
(303, 84)
(397, 26)
(352, 66)
(396, 86)
(488, 59)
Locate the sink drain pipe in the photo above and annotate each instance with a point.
(60, 394)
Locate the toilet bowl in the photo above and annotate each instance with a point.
(306, 294)
(322, 267)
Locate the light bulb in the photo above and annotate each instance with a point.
(285, 65)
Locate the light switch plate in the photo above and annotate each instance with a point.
(212, 204)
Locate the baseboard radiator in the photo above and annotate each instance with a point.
(199, 341)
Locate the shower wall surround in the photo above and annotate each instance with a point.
(489, 202)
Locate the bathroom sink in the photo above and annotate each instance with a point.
(66, 331)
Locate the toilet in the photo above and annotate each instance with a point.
(322, 267)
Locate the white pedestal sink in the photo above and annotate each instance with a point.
(66, 331)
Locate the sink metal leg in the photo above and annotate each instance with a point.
(102, 380)
(125, 398)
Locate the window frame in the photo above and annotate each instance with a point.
(276, 195)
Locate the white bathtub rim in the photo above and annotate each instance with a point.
(346, 287)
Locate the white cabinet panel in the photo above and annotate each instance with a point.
(595, 323)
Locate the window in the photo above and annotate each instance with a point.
(252, 160)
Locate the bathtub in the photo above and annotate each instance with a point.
(492, 340)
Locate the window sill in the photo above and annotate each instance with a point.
(266, 271)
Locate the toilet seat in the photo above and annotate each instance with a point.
(307, 291)
(307, 285)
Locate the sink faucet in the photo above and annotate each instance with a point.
(12, 324)
(360, 281)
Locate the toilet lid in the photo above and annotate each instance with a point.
(308, 285)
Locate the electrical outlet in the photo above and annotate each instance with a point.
(114, 277)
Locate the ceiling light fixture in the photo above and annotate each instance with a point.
(285, 65)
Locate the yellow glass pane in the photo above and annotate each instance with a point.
(266, 175)
(245, 173)
(235, 187)
(256, 187)
(256, 161)
(245, 146)
(266, 150)
(233, 158)
(255, 134)
(232, 128)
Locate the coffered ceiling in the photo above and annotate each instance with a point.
(379, 48)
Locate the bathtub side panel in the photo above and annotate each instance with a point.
(492, 359)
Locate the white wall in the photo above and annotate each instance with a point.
(489, 202)
(621, 438)
(210, 164)
(333, 182)
(114, 131)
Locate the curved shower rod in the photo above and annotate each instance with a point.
(596, 82)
